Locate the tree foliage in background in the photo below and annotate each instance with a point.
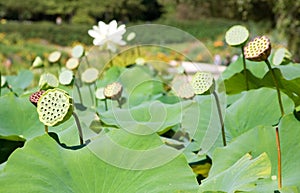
(288, 23)
(281, 14)
(80, 11)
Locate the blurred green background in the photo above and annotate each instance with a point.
(36, 27)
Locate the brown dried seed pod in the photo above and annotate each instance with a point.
(258, 49)
(113, 91)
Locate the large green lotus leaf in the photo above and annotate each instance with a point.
(21, 81)
(289, 86)
(236, 83)
(290, 132)
(241, 176)
(149, 117)
(19, 117)
(68, 131)
(258, 69)
(287, 76)
(139, 85)
(43, 166)
(262, 139)
(255, 107)
(290, 71)
(203, 124)
(110, 76)
(133, 151)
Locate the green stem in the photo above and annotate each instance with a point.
(92, 96)
(105, 102)
(110, 58)
(46, 128)
(220, 117)
(79, 93)
(78, 127)
(96, 100)
(277, 130)
(278, 158)
(138, 51)
(276, 85)
(11, 90)
(0, 82)
(245, 69)
(87, 61)
(119, 103)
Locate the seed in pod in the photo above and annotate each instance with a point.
(34, 98)
(258, 49)
(113, 91)
(54, 107)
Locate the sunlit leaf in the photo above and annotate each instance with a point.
(241, 176)
(83, 171)
(254, 108)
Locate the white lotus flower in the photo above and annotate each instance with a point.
(108, 35)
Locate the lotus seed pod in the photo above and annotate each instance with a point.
(258, 49)
(38, 62)
(34, 98)
(237, 36)
(48, 80)
(54, 107)
(66, 77)
(113, 91)
(182, 88)
(78, 51)
(54, 56)
(131, 36)
(202, 82)
(3, 81)
(281, 56)
(72, 63)
(90, 75)
(100, 93)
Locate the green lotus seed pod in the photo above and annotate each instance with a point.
(113, 91)
(54, 107)
(237, 35)
(72, 63)
(258, 49)
(182, 88)
(90, 75)
(48, 80)
(100, 93)
(54, 56)
(281, 56)
(77, 51)
(202, 82)
(3, 81)
(65, 77)
(131, 36)
(37, 62)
